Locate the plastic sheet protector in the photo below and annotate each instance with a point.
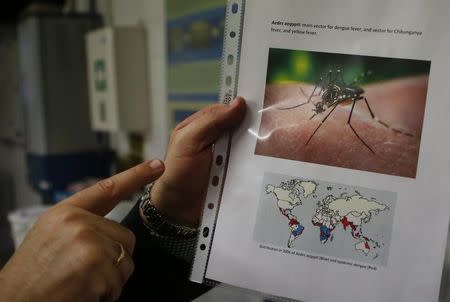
(336, 185)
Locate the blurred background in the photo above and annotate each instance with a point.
(292, 66)
(89, 88)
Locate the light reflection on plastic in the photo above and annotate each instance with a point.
(267, 108)
(268, 135)
(255, 134)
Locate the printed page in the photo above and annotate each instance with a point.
(337, 182)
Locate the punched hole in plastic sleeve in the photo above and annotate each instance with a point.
(219, 160)
(228, 91)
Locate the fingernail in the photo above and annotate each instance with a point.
(236, 101)
(156, 164)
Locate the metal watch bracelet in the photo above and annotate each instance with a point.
(158, 222)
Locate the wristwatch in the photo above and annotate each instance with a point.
(157, 222)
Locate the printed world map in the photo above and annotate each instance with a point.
(350, 211)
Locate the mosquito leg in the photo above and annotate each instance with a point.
(323, 79)
(309, 97)
(370, 109)
(321, 123)
(299, 105)
(321, 90)
(383, 123)
(353, 129)
(341, 78)
(304, 93)
(336, 75)
(292, 107)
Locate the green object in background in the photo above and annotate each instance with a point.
(100, 74)
(290, 66)
(179, 8)
(196, 77)
(194, 35)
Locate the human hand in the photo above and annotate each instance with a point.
(180, 192)
(400, 103)
(71, 252)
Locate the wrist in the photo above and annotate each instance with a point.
(159, 223)
(176, 204)
(178, 241)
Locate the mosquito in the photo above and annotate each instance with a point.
(333, 91)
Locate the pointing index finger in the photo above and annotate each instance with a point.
(104, 196)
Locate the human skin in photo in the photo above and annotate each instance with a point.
(388, 143)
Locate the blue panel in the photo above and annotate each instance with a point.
(207, 15)
(195, 55)
(180, 115)
(196, 37)
(194, 97)
(60, 170)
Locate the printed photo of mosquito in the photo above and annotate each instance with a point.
(333, 91)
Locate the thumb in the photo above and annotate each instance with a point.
(106, 194)
(203, 130)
